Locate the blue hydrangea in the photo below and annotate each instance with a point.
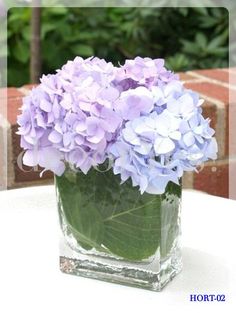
(158, 147)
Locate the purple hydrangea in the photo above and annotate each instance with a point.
(71, 114)
(139, 115)
(144, 71)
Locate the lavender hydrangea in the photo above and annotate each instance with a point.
(70, 117)
(144, 71)
(139, 115)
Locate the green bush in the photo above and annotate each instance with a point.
(187, 38)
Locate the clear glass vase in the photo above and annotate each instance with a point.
(113, 233)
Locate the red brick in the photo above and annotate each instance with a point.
(11, 92)
(186, 77)
(30, 86)
(213, 179)
(232, 180)
(209, 111)
(13, 105)
(211, 90)
(216, 74)
(230, 139)
(227, 131)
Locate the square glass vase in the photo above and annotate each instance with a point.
(112, 232)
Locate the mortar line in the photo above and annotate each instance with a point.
(211, 80)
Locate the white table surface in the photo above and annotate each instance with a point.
(30, 280)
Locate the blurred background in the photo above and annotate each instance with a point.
(194, 42)
(188, 38)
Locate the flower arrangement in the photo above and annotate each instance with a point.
(141, 119)
(138, 115)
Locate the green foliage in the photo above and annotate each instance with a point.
(101, 213)
(187, 38)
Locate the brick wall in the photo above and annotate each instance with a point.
(213, 86)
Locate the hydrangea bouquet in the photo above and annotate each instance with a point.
(118, 140)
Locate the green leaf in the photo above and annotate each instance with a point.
(58, 10)
(18, 75)
(21, 51)
(216, 12)
(64, 30)
(201, 10)
(120, 33)
(46, 28)
(26, 33)
(218, 41)
(83, 35)
(207, 21)
(19, 13)
(83, 50)
(201, 40)
(9, 33)
(220, 51)
(183, 11)
(177, 62)
(104, 214)
(190, 47)
(83, 220)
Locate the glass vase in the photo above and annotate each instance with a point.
(112, 232)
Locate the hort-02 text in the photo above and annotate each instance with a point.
(207, 298)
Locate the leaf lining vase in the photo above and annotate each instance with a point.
(111, 232)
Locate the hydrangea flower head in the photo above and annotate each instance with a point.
(158, 147)
(71, 114)
(139, 115)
